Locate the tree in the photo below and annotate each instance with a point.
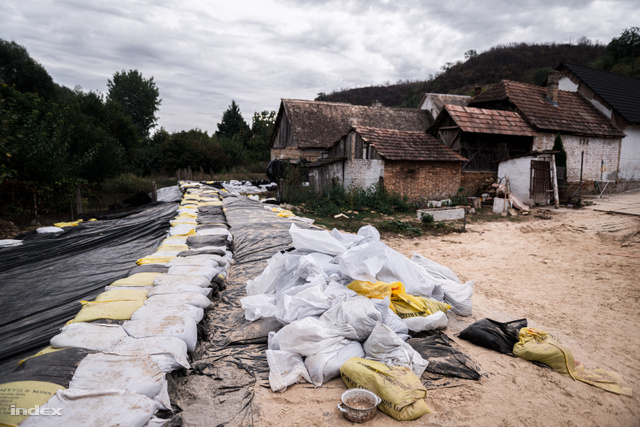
(622, 52)
(139, 98)
(18, 69)
(262, 125)
(233, 124)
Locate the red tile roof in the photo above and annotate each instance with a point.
(574, 114)
(480, 120)
(407, 145)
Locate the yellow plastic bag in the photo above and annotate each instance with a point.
(406, 306)
(540, 346)
(401, 390)
(122, 295)
(138, 279)
(378, 290)
(189, 221)
(67, 224)
(115, 310)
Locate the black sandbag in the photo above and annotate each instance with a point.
(197, 242)
(494, 335)
(444, 358)
(219, 252)
(56, 367)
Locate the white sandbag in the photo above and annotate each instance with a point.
(301, 301)
(432, 322)
(307, 337)
(169, 326)
(325, 366)
(416, 281)
(175, 240)
(181, 229)
(370, 233)
(363, 262)
(435, 269)
(89, 336)
(395, 323)
(458, 296)
(181, 279)
(96, 409)
(266, 282)
(158, 311)
(198, 260)
(137, 374)
(259, 306)
(354, 318)
(285, 368)
(220, 231)
(221, 260)
(308, 267)
(51, 229)
(385, 346)
(178, 288)
(315, 241)
(336, 292)
(194, 270)
(195, 299)
(169, 353)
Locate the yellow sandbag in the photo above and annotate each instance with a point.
(539, 346)
(401, 390)
(67, 224)
(406, 306)
(122, 295)
(378, 290)
(21, 396)
(115, 310)
(138, 279)
(156, 258)
(172, 248)
(189, 221)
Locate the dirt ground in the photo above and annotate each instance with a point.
(574, 275)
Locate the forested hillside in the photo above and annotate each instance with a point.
(528, 63)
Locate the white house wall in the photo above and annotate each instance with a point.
(630, 155)
(518, 173)
(596, 151)
(362, 173)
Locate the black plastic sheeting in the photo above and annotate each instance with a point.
(445, 359)
(42, 281)
(57, 367)
(494, 335)
(231, 362)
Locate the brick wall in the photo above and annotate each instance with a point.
(422, 180)
(600, 155)
(473, 182)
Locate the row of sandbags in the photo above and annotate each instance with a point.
(341, 296)
(142, 327)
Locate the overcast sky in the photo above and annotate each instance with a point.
(204, 53)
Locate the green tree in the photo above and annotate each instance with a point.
(623, 52)
(262, 125)
(18, 69)
(139, 98)
(233, 124)
(193, 149)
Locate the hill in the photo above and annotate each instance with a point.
(528, 63)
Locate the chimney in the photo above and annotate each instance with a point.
(552, 87)
(477, 90)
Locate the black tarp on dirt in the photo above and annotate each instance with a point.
(226, 367)
(42, 281)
